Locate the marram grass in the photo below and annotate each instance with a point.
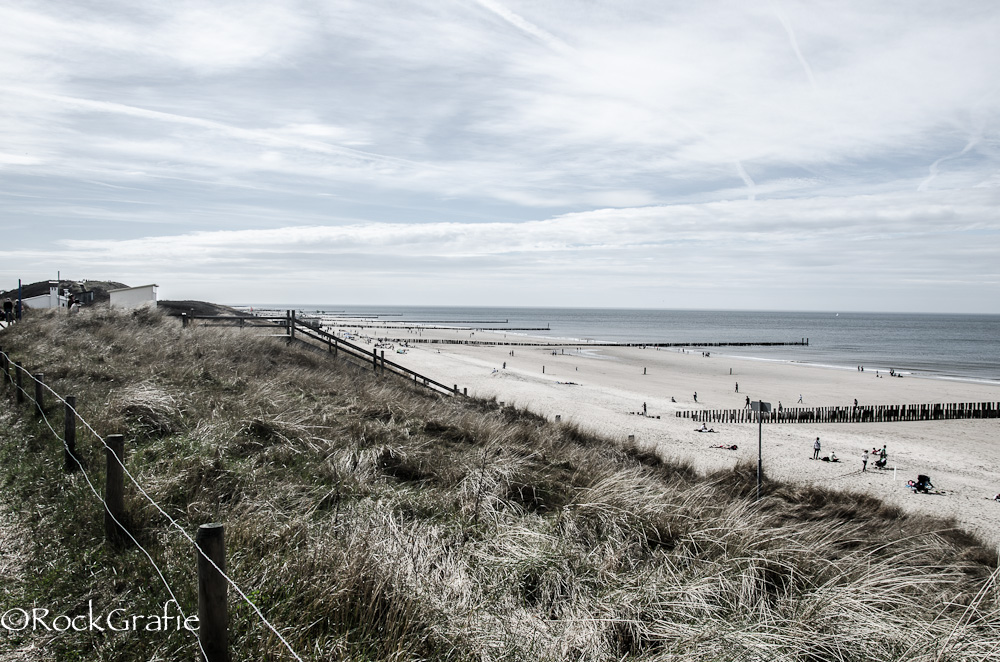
(371, 520)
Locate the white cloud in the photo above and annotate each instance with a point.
(537, 138)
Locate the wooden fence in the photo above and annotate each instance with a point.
(209, 544)
(295, 329)
(851, 414)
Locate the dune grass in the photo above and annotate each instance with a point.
(371, 520)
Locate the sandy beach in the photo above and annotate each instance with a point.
(604, 388)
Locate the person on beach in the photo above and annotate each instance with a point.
(864, 461)
(643, 408)
(816, 449)
(747, 406)
(8, 310)
(737, 387)
(800, 398)
(883, 454)
(696, 396)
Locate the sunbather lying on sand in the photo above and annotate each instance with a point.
(728, 448)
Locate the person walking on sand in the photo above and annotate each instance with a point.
(747, 406)
(737, 387)
(643, 408)
(696, 396)
(816, 449)
(8, 310)
(800, 398)
(864, 461)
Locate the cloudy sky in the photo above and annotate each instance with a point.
(779, 155)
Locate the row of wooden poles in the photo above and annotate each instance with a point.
(333, 344)
(213, 616)
(849, 414)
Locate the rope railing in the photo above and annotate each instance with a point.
(69, 408)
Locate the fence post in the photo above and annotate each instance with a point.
(213, 613)
(17, 382)
(374, 359)
(291, 326)
(39, 394)
(383, 361)
(184, 320)
(114, 489)
(69, 432)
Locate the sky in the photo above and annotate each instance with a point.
(770, 155)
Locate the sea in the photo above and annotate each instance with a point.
(942, 346)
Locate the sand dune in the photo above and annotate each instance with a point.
(609, 385)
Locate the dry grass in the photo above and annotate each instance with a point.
(373, 521)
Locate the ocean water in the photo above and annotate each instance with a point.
(942, 346)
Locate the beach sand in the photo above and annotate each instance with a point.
(609, 384)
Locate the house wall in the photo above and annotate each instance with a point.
(51, 300)
(134, 297)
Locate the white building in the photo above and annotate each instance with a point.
(134, 297)
(51, 300)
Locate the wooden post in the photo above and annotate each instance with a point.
(39, 393)
(213, 610)
(17, 382)
(465, 391)
(69, 432)
(114, 489)
(374, 359)
(383, 361)
(455, 389)
(291, 325)
(184, 320)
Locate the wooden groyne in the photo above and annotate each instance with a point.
(851, 414)
(578, 343)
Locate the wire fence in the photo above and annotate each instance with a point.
(115, 517)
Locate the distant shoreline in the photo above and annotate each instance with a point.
(928, 346)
